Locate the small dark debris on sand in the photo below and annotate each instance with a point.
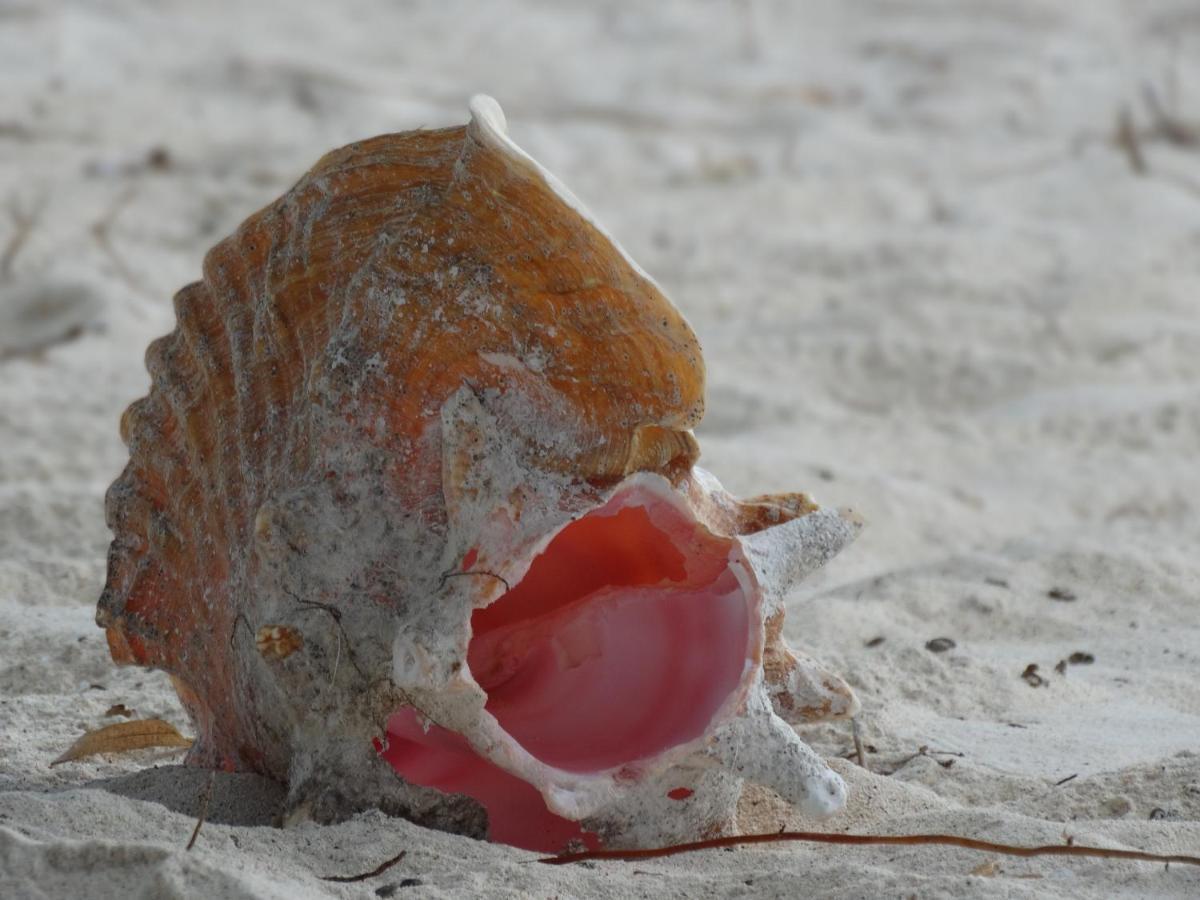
(1032, 677)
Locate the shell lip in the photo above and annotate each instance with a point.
(578, 794)
(569, 792)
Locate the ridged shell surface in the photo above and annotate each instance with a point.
(321, 345)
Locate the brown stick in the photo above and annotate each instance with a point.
(858, 747)
(102, 234)
(208, 790)
(1128, 139)
(888, 839)
(378, 870)
(24, 222)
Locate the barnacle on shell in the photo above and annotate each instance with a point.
(412, 518)
(278, 641)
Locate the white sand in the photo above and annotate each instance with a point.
(929, 286)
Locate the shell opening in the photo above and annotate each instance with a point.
(623, 640)
(628, 636)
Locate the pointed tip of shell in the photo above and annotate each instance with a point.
(487, 115)
(489, 126)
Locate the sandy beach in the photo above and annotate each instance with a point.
(943, 259)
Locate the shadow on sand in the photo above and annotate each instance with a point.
(238, 798)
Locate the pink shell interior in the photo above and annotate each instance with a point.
(625, 638)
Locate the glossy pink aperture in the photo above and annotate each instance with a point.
(441, 759)
(626, 636)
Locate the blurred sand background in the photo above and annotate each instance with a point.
(944, 259)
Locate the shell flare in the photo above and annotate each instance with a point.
(413, 520)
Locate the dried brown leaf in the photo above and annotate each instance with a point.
(123, 737)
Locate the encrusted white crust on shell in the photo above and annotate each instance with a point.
(745, 738)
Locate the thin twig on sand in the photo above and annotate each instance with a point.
(24, 221)
(378, 870)
(858, 745)
(949, 840)
(102, 233)
(205, 799)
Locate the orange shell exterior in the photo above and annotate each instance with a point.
(339, 319)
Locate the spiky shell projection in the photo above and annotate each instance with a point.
(412, 519)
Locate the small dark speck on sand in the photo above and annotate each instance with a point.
(389, 890)
(940, 645)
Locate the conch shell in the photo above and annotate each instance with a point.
(412, 519)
